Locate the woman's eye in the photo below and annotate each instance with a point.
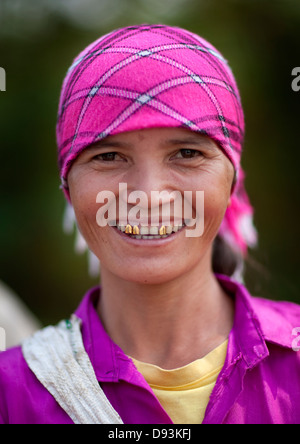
(106, 157)
(187, 153)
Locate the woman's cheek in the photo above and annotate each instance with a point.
(216, 198)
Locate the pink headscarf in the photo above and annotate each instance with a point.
(150, 76)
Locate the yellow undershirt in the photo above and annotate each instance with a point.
(184, 392)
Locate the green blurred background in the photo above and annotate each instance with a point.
(38, 41)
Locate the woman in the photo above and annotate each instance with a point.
(148, 109)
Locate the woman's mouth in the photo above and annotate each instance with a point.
(150, 232)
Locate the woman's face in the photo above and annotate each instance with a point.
(159, 159)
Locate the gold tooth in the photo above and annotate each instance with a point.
(162, 230)
(128, 229)
(136, 230)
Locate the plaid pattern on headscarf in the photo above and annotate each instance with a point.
(150, 76)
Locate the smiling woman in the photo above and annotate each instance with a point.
(150, 133)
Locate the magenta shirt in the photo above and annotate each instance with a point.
(259, 383)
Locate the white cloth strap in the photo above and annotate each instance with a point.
(57, 357)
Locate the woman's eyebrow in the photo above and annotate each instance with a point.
(201, 142)
(108, 144)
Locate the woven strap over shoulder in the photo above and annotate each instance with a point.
(57, 357)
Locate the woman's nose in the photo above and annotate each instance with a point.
(151, 192)
(153, 181)
(146, 176)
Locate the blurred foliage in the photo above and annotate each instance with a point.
(38, 41)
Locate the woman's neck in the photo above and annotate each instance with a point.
(170, 324)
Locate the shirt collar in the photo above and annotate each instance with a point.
(246, 338)
(261, 321)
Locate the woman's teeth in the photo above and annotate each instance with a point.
(149, 233)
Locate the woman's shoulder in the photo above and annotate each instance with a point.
(11, 358)
(284, 310)
(13, 377)
(23, 399)
(15, 374)
(13, 370)
(279, 320)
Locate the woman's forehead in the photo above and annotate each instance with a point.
(162, 136)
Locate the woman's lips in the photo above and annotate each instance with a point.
(150, 232)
